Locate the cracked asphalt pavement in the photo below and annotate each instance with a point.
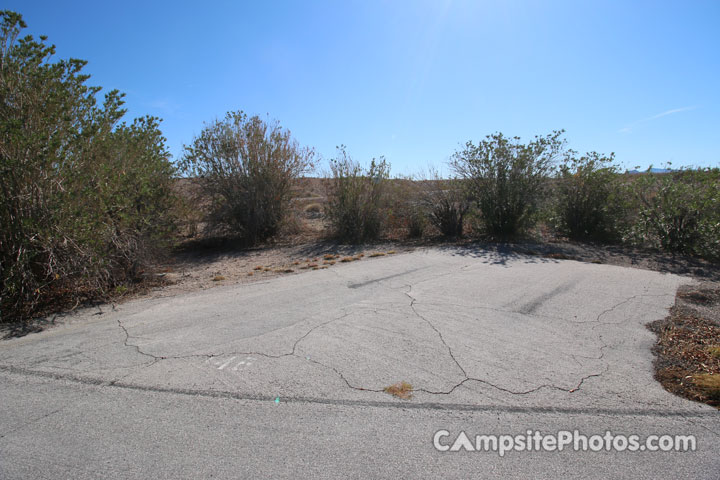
(285, 378)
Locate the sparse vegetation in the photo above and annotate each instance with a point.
(416, 222)
(447, 203)
(246, 167)
(678, 211)
(507, 178)
(356, 197)
(589, 199)
(407, 215)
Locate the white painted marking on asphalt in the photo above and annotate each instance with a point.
(226, 363)
(222, 364)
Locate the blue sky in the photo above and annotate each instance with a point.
(412, 80)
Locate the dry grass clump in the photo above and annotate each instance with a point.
(709, 383)
(401, 390)
(714, 351)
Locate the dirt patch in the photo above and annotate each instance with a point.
(688, 347)
(199, 267)
(705, 296)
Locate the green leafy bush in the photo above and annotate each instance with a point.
(507, 178)
(356, 197)
(589, 201)
(678, 211)
(246, 166)
(84, 197)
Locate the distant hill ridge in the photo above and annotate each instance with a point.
(652, 170)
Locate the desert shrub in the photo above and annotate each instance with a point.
(507, 178)
(291, 224)
(84, 197)
(416, 219)
(246, 166)
(447, 204)
(678, 211)
(406, 212)
(588, 195)
(356, 197)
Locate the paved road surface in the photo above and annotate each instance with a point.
(285, 378)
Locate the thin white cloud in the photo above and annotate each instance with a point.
(670, 112)
(629, 128)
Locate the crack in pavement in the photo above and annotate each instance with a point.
(260, 354)
(644, 412)
(157, 358)
(35, 420)
(439, 334)
(468, 378)
(136, 347)
(597, 323)
(611, 309)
